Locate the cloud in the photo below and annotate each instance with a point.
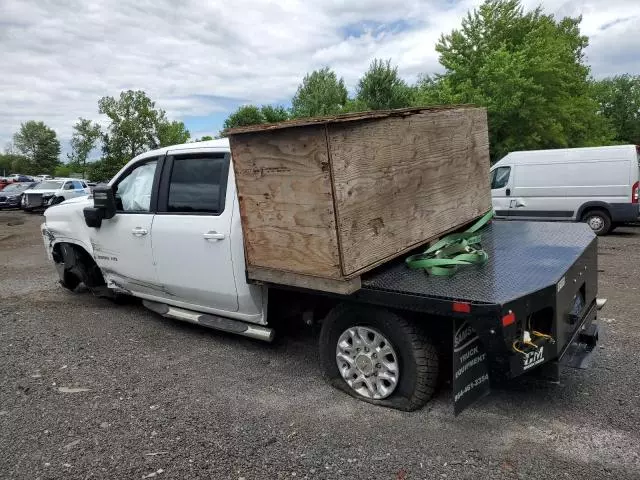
(200, 60)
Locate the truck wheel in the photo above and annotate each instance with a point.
(599, 221)
(379, 357)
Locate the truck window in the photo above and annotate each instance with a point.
(133, 192)
(197, 185)
(500, 177)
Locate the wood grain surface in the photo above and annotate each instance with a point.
(402, 181)
(286, 201)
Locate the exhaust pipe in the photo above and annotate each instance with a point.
(600, 302)
(212, 321)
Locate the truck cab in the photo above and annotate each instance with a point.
(176, 236)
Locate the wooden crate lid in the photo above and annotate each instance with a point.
(345, 117)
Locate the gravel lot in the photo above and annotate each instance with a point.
(89, 389)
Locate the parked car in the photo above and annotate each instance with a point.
(11, 195)
(42, 178)
(4, 181)
(597, 185)
(18, 177)
(51, 192)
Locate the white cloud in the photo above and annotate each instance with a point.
(198, 58)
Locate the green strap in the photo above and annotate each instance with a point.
(448, 254)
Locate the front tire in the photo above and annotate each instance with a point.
(379, 357)
(599, 221)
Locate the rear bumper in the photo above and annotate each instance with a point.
(624, 212)
(577, 352)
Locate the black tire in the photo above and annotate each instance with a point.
(57, 200)
(418, 358)
(598, 217)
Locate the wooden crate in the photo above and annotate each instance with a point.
(324, 200)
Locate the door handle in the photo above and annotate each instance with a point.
(213, 236)
(139, 232)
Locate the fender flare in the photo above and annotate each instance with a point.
(592, 205)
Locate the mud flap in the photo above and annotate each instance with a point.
(470, 367)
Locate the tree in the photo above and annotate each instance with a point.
(172, 133)
(253, 115)
(528, 70)
(381, 88)
(271, 114)
(133, 127)
(84, 139)
(40, 145)
(64, 170)
(204, 138)
(243, 116)
(320, 93)
(13, 162)
(619, 101)
(100, 171)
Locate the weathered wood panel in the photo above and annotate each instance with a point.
(279, 277)
(286, 201)
(404, 180)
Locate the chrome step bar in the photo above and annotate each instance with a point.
(212, 321)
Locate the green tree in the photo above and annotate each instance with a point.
(172, 133)
(204, 138)
(528, 70)
(40, 145)
(271, 114)
(85, 138)
(381, 88)
(243, 116)
(13, 163)
(64, 170)
(100, 171)
(253, 115)
(320, 93)
(619, 101)
(133, 127)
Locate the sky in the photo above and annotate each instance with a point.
(200, 60)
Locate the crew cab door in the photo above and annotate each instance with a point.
(122, 245)
(192, 228)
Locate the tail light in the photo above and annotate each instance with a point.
(634, 192)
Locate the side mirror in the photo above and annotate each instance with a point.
(93, 217)
(105, 200)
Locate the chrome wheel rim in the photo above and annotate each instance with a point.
(367, 362)
(596, 223)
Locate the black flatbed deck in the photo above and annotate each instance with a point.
(524, 257)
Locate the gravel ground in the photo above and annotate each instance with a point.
(89, 389)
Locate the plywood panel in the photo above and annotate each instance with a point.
(286, 201)
(278, 277)
(403, 180)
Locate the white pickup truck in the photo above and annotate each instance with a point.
(167, 229)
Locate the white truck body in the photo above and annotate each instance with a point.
(167, 229)
(189, 260)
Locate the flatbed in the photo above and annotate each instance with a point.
(539, 277)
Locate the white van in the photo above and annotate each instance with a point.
(598, 185)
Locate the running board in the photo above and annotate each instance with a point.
(212, 321)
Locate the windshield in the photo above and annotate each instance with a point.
(48, 185)
(15, 187)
